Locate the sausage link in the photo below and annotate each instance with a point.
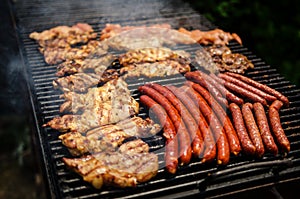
(219, 83)
(217, 129)
(197, 78)
(276, 126)
(262, 87)
(190, 123)
(241, 130)
(262, 122)
(171, 147)
(209, 142)
(269, 98)
(183, 135)
(233, 140)
(245, 93)
(253, 129)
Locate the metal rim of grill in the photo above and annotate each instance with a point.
(244, 173)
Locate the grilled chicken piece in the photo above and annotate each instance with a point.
(109, 137)
(55, 55)
(79, 82)
(155, 69)
(114, 90)
(119, 169)
(108, 112)
(218, 58)
(90, 64)
(153, 55)
(135, 146)
(64, 36)
(216, 36)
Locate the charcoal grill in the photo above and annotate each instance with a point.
(195, 179)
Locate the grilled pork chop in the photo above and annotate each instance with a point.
(130, 165)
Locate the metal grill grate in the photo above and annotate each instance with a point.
(190, 180)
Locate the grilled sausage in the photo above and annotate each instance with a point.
(269, 98)
(209, 142)
(217, 129)
(185, 152)
(262, 122)
(241, 130)
(219, 83)
(197, 78)
(233, 140)
(262, 87)
(192, 127)
(245, 93)
(171, 153)
(276, 126)
(253, 129)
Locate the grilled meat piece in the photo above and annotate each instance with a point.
(216, 36)
(64, 36)
(135, 146)
(55, 55)
(115, 168)
(109, 112)
(147, 37)
(79, 82)
(218, 58)
(114, 90)
(90, 64)
(108, 137)
(153, 55)
(112, 30)
(155, 69)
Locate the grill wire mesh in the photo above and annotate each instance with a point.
(241, 173)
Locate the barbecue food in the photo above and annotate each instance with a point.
(114, 90)
(64, 36)
(55, 55)
(276, 126)
(262, 87)
(123, 168)
(253, 129)
(153, 55)
(169, 132)
(79, 82)
(216, 36)
(112, 30)
(118, 105)
(218, 58)
(108, 137)
(147, 37)
(238, 121)
(155, 69)
(93, 64)
(185, 151)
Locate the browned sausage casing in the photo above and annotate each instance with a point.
(171, 153)
(241, 130)
(219, 83)
(276, 126)
(210, 144)
(252, 89)
(185, 152)
(194, 131)
(233, 140)
(212, 120)
(253, 129)
(197, 78)
(262, 87)
(263, 126)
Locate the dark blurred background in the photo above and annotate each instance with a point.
(271, 30)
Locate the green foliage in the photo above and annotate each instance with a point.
(270, 29)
